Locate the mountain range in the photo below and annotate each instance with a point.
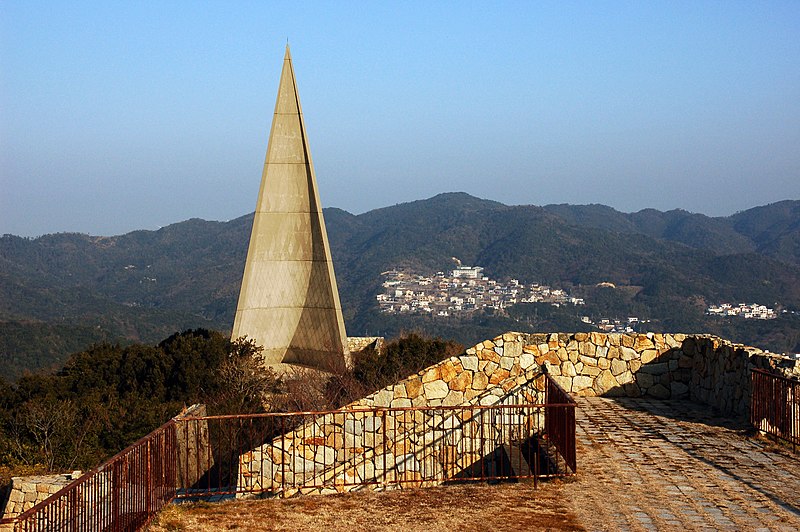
(61, 292)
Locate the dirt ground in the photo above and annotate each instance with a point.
(500, 507)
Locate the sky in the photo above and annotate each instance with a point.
(118, 116)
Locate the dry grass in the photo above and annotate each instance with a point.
(502, 507)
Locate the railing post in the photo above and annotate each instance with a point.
(149, 480)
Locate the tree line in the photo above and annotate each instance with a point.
(108, 396)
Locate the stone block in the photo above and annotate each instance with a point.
(324, 456)
(413, 387)
(632, 390)
(679, 390)
(383, 398)
(488, 354)
(480, 381)
(544, 348)
(454, 398)
(553, 369)
(642, 342)
(644, 380)
(648, 355)
(568, 369)
(432, 374)
(462, 381)
(626, 353)
(625, 378)
(353, 426)
(590, 370)
(498, 376)
(659, 391)
(581, 382)
(489, 399)
(436, 389)
(627, 340)
(618, 366)
(564, 382)
(469, 363)
(655, 369)
(513, 349)
(605, 382)
(526, 360)
(448, 371)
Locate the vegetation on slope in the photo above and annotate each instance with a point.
(145, 285)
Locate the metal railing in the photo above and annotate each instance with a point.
(775, 406)
(124, 493)
(341, 450)
(560, 422)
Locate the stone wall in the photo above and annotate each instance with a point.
(357, 344)
(385, 447)
(26, 492)
(349, 447)
(703, 368)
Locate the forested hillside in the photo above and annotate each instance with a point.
(59, 293)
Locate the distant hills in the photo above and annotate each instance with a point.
(61, 292)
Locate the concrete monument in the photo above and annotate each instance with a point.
(289, 303)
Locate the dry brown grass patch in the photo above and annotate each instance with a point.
(503, 507)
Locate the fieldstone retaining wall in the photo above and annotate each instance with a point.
(26, 492)
(343, 449)
(703, 368)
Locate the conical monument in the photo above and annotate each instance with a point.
(289, 303)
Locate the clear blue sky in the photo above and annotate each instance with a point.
(117, 116)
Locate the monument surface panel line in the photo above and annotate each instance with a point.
(289, 303)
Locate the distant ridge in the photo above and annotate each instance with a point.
(145, 285)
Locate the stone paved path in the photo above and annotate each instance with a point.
(664, 465)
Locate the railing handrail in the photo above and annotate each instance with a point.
(86, 477)
(793, 380)
(170, 454)
(376, 409)
(775, 406)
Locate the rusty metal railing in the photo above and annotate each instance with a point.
(512, 437)
(528, 435)
(124, 493)
(560, 422)
(775, 406)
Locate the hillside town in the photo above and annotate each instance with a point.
(461, 292)
(631, 324)
(753, 311)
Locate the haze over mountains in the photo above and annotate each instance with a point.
(60, 292)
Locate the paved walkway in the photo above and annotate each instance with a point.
(664, 465)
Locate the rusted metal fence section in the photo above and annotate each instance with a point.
(775, 406)
(124, 493)
(560, 422)
(525, 434)
(516, 436)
